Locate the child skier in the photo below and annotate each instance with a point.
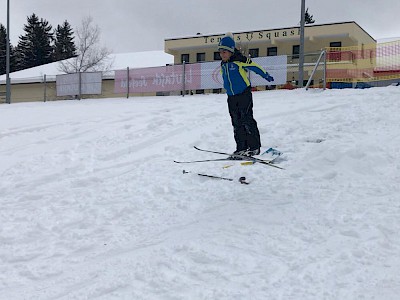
(234, 68)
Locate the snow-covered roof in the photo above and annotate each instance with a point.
(120, 61)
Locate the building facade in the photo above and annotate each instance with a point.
(274, 42)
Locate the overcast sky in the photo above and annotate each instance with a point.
(133, 25)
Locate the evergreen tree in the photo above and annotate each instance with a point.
(34, 48)
(3, 52)
(309, 18)
(13, 55)
(64, 46)
(3, 49)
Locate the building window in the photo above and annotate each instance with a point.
(253, 52)
(184, 58)
(217, 56)
(335, 44)
(296, 51)
(272, 51)
(201, 57)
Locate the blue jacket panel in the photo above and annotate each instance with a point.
(234, 73)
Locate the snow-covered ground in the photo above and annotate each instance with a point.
(93, 207)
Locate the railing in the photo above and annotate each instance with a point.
(364, 65)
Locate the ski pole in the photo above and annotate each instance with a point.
(242, 179)
(209, 176)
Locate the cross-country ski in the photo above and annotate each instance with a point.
(241, 157)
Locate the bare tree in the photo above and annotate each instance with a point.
(91, 56)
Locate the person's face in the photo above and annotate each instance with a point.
(225, 54)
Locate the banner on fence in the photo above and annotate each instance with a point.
(157, 79)
(196, 76)
(276, 66)
(68, 84)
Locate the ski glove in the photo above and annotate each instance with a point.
(268, 77)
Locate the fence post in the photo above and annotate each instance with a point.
(301, 50)
(45, 87)
(127, 82)
(8, 82)
(324, 75)
(80, 85)
(184, 79)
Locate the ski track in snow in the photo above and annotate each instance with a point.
(92, 206)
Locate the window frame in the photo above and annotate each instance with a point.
(256, 50)
(269, 49)
(201, 57)
(184, 55)
(295, 48)
(217, 56)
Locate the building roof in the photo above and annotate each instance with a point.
(271, 29)
(132, 60)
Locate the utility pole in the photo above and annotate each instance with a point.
(301, 52)
(8, 88)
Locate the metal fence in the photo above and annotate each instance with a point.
(364, 66)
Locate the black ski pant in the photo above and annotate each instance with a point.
(244, 126)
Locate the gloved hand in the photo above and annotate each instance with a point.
(268, 77)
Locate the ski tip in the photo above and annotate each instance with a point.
(273, 152)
